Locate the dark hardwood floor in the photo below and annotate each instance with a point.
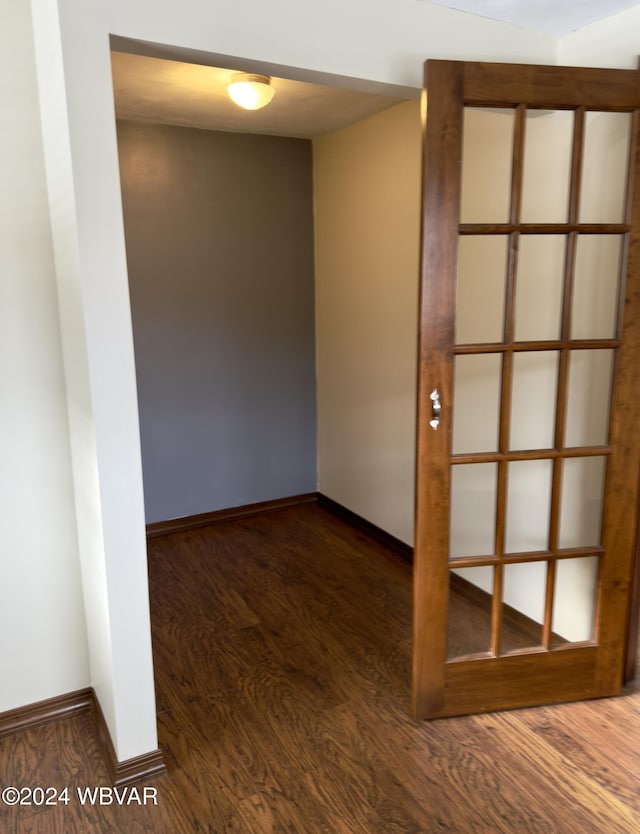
(282, 649)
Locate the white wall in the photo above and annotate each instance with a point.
(614, 42)
(367, 211)
(101, 399)
(43, 649)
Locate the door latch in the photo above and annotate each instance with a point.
(436, 407)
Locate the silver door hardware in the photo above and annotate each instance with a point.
(434, 422)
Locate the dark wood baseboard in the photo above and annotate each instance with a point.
(367, 527)
(70, 704)
(194, 522)
(52, 709)
(476, 596)
(131, 770)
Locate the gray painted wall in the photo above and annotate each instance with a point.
(219, 233)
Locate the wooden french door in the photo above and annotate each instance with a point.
(529, 385)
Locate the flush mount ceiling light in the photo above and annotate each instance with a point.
(250, 91)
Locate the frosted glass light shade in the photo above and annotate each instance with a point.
(250, 91)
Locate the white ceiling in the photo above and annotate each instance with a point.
(555, 17)
(173, 91)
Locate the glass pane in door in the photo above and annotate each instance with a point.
(476, 403)
(595, 293)
(486, 165)
(547, 166)
(523, 599)
(539, 287)
(528, 506)
(473, 510)
(482, 263)
(470, 602)
(604, 167)
(574, 599)
(581, 501)
(533, 399)
(588, 398)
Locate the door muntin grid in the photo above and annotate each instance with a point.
(530, 493)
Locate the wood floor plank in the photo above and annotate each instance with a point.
(581, 739)
(593, 805)
(282, 651)
(447, 771)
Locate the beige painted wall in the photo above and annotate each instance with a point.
(367, 233)
(367, 196)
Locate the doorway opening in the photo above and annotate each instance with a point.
(260, 247)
